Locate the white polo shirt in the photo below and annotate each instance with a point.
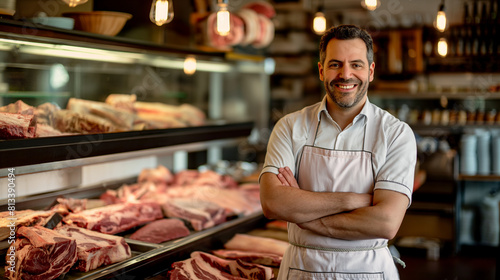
(393, 144)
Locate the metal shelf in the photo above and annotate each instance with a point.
(75, 149)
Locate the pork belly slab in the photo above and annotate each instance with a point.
(95, 249)
(41, 254)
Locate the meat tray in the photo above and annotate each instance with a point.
(148, 260)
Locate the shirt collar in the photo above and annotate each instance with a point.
(366, 111)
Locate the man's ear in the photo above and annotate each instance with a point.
(320, 70)
(372, 71)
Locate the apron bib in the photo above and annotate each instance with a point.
(312, 256)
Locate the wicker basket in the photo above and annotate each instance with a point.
(100, 22)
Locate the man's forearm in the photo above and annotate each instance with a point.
(299, 206)
(382, 220)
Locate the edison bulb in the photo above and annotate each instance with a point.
(371, 5)
(442, 47)
(190, 65)
(440, 22)
(223, 20)
(319, 23)
(162, 12)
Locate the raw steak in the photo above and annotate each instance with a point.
(200, 214)
(96, 249)
(41, 254)
(250, 257)
(245, 242)
(16, 126)
(116, 218)
(161, 231)
(206, 266)
(22, 218)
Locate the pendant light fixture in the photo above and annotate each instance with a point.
(370, 5)
(319, 22)
(441, 23)
(74, 3)
(223, 18)
(162, 12)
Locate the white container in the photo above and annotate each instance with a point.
(468, 154)
(483, 152)
(495, 152)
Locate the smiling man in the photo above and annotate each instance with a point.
(340, 172)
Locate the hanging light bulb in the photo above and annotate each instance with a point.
(74, 3)
(371, 5)
(223, 18)
(319, 23)
(442, 47)
(162, 12)
(190, 65)
(440, 22)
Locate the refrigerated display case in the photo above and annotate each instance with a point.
(44, 64)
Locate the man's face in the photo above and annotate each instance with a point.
(346, 72)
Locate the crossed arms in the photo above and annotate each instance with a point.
(341, 215)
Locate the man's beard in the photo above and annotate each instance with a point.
(336, 96)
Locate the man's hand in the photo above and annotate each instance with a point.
(286, 177)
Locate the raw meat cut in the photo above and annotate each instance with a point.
(22, 218)
(246, 242)
(250, 257)
(41, 254)
(116, 218)
(200, 214)
(73, 122)
(44, 130)
(266, 34)
(122, 119)
(252, 28)
(169, 115)
(95, 249)
(16, 126)
(18, 107)
(161, 231)
(45, 113)
(158, 175)
(206, 266)
(122, 101)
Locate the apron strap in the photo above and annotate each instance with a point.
(358, 249)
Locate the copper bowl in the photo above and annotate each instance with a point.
(100, 22)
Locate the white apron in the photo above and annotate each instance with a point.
(312, 256)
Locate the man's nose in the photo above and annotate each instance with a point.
(345, 72)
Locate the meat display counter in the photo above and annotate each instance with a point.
(31, 54)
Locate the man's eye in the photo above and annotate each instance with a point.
(357, 66)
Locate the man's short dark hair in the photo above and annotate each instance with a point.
(346, 32)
